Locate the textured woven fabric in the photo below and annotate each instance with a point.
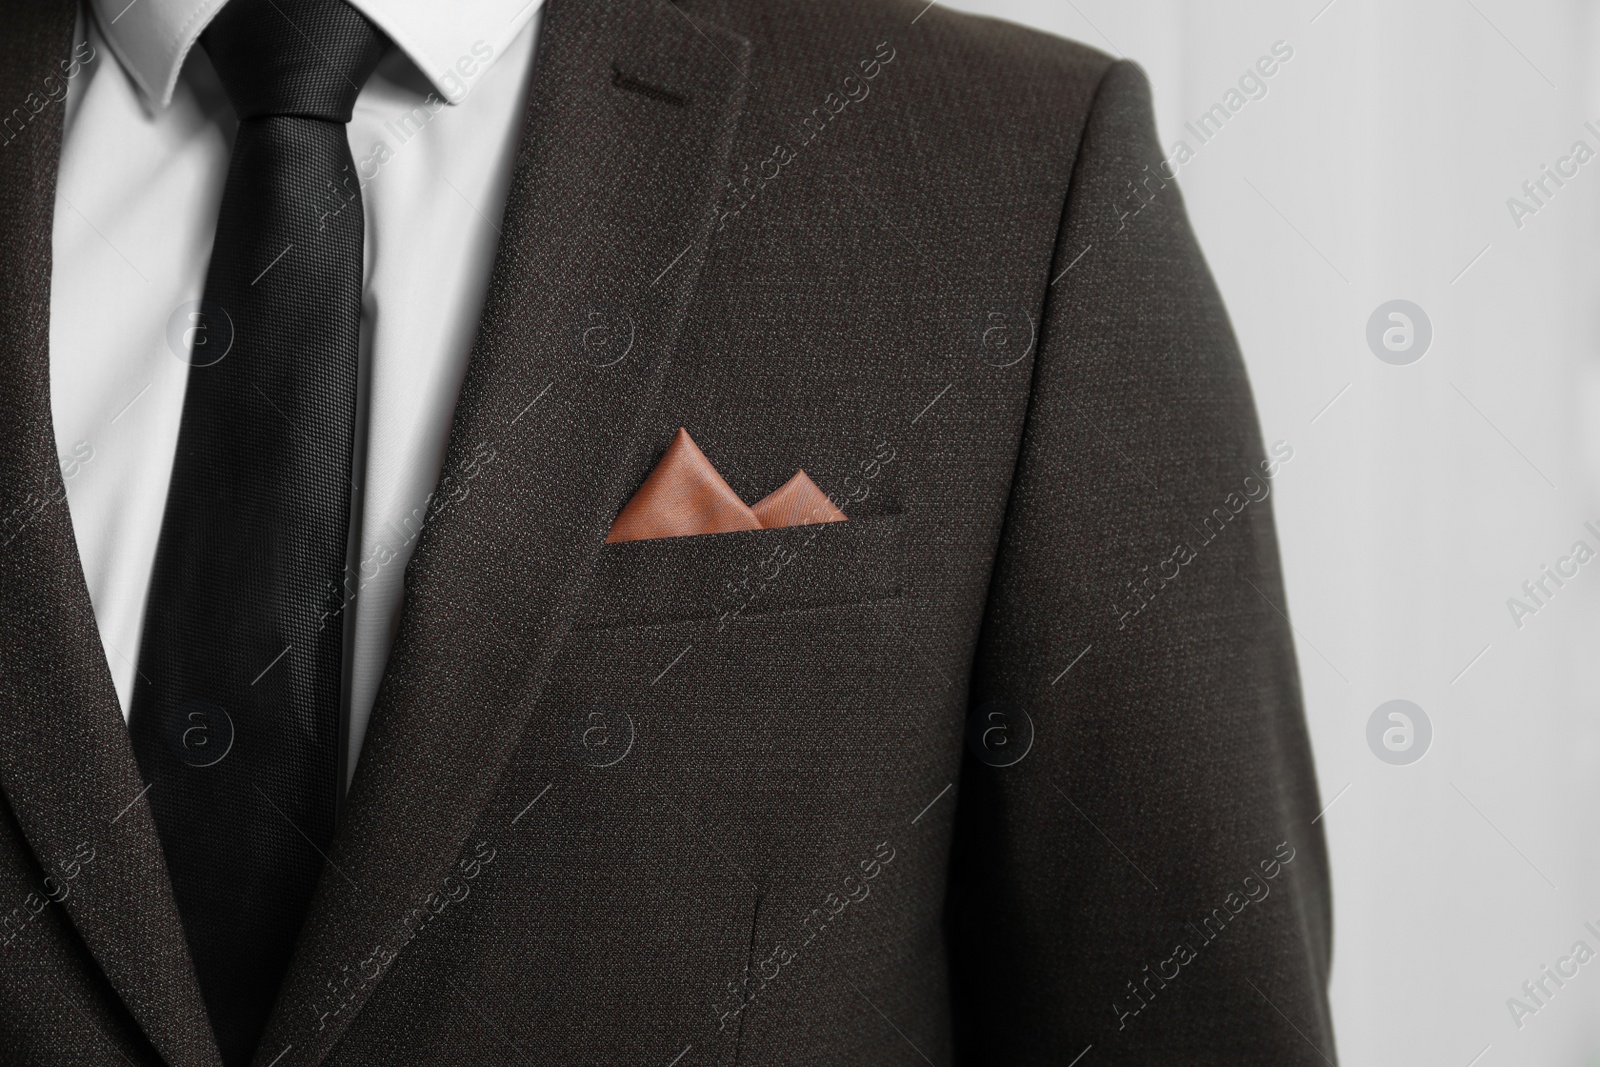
(235, 717)
(711, 797)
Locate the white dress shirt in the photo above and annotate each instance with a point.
(143, 162)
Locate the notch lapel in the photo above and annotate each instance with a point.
(66, 766)
(625, 147)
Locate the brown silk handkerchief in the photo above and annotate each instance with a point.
(798, 502)
(685, 495)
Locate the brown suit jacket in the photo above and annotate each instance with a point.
(710, 800)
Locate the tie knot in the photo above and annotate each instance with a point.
(307, 58)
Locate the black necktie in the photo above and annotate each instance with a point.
(236, 717)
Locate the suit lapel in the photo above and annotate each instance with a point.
(66, 766)
(625, 145)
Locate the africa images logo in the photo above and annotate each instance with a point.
(1255, 888)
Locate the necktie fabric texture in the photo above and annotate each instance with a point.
(237, 719)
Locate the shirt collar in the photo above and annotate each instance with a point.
(450, 42)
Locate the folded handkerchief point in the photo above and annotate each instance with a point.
(797, 502)
(684, 495)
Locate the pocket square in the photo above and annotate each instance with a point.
(685, 495)
(797, 502)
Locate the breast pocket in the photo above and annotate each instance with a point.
(727, 577)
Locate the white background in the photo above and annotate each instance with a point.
(1378, 167)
